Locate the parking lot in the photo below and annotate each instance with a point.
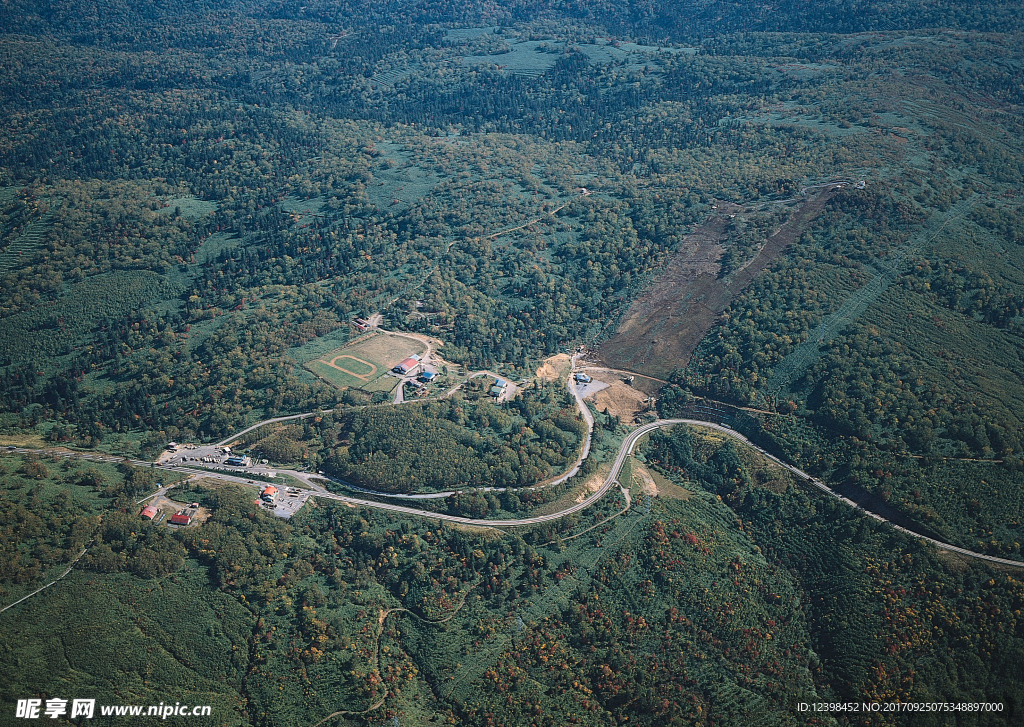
(213, 457)
(200, 455)
(590, 388)
(290, 501)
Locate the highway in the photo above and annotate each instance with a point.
(625, 451)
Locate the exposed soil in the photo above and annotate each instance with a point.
(643, 478)
(662, 328)
(621, 400)
(646, 384)
(591, 486)
(554, 368)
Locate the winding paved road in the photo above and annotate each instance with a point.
(572, 471)
(625, 451)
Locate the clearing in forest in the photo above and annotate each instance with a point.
(662, 327)
(555, 368)
(361, 363)
(621, 400)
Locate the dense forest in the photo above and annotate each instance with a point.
(178, 214)
(193, 194)
(452, 444)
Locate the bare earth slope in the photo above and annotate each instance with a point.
(662, 327)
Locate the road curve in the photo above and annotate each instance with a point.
(610, 481)
(828, 490)
(571, 472)
(625, 451)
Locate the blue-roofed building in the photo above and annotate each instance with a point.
(499, 387)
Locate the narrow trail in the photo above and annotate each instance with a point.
(629, 503)
(55, 580)
(384, 613)
(489, 236)
(550, 213)
(803, 356)
(584, 564)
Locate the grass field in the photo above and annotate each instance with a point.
(399, 183)
(189, 206)
(365, 363)
(15, 252)
(525, 58)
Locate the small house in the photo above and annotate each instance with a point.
(180, 518)
(582, 378)
(269, 493)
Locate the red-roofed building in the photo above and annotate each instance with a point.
(407, 365)
(180, 518)
(269, 493)
(148, 512)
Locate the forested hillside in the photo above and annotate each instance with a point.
(300, 166)
(806, 218)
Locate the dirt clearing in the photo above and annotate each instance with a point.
(555, 368)
(642, 478)
(621, 400)
(591, 486)
(647, 384)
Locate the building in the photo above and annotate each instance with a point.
(269, 493)
(180, 518)
(582, 378)
(499, 387)
(148, 513)
(427, 376)
(237, 460)
(407, 365)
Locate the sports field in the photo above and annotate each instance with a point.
(363, 363)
